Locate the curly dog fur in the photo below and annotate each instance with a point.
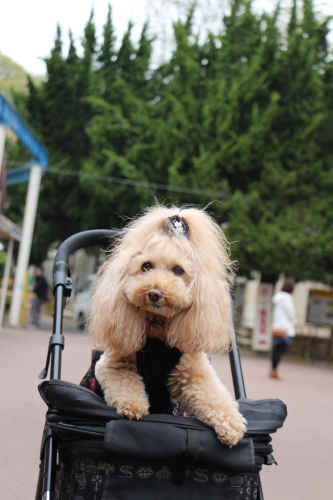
(167, 277)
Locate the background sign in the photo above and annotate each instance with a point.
(262, 332)
(320, 308)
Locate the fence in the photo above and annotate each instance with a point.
(311, 348)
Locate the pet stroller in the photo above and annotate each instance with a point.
(89, 452)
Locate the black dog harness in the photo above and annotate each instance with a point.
(155, 362)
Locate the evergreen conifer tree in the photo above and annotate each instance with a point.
(247, 113)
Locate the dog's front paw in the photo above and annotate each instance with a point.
(231, 430)
(132, 410)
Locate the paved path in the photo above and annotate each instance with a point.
(303, 447)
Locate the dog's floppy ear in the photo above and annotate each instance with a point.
(114, 323)
(207, 325)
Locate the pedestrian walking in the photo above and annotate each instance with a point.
(41, 291)
(283, 326)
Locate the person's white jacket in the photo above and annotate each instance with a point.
(284, 313)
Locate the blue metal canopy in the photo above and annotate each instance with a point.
(10, 118)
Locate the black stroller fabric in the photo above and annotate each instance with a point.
(104, 456)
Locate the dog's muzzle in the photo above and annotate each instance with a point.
(155, 295)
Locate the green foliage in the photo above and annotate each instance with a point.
(247, 113)
(3, 257)
(288, 204)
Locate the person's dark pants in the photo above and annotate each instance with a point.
(36, 306)
(278, 352)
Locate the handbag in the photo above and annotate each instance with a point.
(279, 333)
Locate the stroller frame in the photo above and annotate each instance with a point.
(62, 286)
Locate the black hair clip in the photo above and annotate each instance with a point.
(178, 224)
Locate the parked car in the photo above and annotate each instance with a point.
(82, 299)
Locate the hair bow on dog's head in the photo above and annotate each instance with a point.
(176, 224)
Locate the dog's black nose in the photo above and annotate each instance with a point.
(155, 295)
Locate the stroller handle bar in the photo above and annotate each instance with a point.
(84, 239)
(61, 273)
(62, 287)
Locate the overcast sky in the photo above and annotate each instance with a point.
(27, 27)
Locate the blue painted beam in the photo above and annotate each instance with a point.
(19, 175)
(10, 118)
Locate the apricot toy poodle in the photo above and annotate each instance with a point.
(167, 278)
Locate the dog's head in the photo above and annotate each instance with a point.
(171, 263)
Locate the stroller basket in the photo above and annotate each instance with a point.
(89, 452)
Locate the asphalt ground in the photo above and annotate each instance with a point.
(303, 447)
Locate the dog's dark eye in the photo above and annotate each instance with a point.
(147, 266)
(178, 270)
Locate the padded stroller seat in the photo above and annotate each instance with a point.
(105, 456)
